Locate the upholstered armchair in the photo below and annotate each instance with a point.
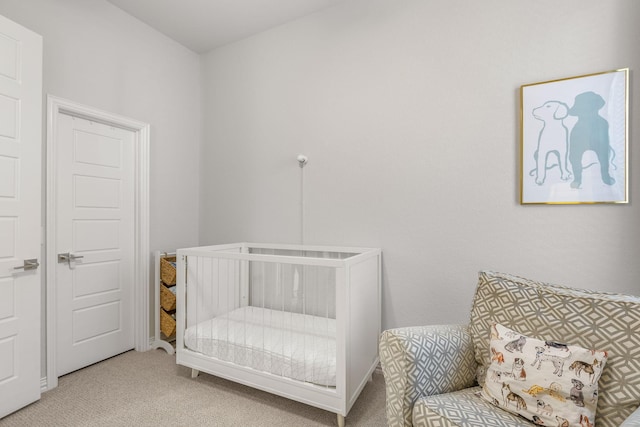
(434, 374)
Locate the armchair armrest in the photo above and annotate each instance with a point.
(633, 420)
(421, 361)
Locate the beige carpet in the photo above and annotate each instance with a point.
(149, 389)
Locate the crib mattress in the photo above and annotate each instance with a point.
(292, 345)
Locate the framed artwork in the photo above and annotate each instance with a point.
(575, 140)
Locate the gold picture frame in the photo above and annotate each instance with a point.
(574, 134)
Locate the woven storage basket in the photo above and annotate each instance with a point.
(167, 324)
(168, 271)
(167, 298)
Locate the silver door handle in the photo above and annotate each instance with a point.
(29, 264)
(68, 257)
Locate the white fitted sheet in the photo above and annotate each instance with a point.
(293, 345)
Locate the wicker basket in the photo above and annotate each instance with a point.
(168, 271)
(167, 298)
(167, 324)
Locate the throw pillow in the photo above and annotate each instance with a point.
(546, 382)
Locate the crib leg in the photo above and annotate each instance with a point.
(340, 420)
(194, 373)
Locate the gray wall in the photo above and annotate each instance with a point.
(409, 113)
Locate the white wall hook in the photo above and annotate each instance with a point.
(302, 160)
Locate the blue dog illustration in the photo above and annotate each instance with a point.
(590, 133)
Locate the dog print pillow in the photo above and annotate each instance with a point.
(546, 382)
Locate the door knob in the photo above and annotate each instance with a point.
(29, 264)
(68, 257)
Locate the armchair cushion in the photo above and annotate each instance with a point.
(462, 408)
(586, 318)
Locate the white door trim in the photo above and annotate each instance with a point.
(55, 107)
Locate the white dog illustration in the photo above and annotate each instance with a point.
(553, 139)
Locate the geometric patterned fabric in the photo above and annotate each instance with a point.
(428, 370)
(423, 361)
(589, 319)
(463, 408)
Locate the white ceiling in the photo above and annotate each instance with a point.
(202, 25)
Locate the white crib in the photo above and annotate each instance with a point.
(301, 322)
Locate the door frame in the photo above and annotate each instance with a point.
(55, 107)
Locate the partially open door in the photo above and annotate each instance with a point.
(20, 215)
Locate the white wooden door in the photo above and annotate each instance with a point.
(20, 214)
(95, 242)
